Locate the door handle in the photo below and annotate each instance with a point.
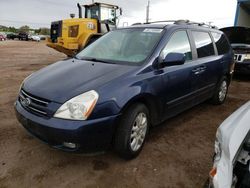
(203, 68)
(196, 70)
(199, 70)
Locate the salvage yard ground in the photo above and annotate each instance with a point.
(177, 153)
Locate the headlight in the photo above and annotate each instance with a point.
(217, 150)
(79, 107)
(247, 56)
(216, 158)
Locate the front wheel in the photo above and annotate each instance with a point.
(132, 131)
(221, 91)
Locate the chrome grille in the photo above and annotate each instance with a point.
(33, 104)
(239, 57)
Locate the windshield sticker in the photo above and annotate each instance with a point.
(152, 30)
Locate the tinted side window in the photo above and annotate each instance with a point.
(178, 43)
(203, 43)
(221, 43)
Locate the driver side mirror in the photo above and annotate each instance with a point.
(174, 59)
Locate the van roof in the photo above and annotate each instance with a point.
(175, 23)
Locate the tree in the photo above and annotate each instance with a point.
(37, 31)
(24, 28)
(12, 29)
(44, 31)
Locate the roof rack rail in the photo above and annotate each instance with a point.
(188, 22)
(161, 21)
(137, 23)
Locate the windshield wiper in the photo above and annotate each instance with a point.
(97, 60)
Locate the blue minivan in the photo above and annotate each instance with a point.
(114, 90)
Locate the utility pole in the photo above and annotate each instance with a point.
(147, 12)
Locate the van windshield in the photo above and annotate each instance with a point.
(131, 46)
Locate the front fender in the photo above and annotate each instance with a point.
(116, 97)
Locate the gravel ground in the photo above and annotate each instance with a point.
(177, 153)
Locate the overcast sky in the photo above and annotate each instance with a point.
(39, 13)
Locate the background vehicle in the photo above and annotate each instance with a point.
(71, 35)
(12, 36)
(35, 38)
(42, 37)
(123, 83)
(23, 36)
(2, 37)
(239, 38)
(232, 151)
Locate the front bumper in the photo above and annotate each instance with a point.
(89, 136)
(60, 48)
(242, 68)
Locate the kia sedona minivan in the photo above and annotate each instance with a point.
(114, 90)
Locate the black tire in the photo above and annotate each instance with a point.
(123, 140)
(219, 98)
(91, 40)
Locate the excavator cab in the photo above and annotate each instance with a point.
(71, 35)
(104, 13)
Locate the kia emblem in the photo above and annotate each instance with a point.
(26, 101)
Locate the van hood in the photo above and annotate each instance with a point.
(63, 80)
(241, 48)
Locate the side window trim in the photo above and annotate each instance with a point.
(196, 30)
(221, 51)
(189, 39)
(192, 44)
(215, 47)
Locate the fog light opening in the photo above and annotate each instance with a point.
(69, 145)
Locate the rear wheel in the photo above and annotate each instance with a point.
(221, 92)
(132, 131)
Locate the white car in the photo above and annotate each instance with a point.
(35, 38)
(231, 166)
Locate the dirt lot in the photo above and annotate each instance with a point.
(177, 153)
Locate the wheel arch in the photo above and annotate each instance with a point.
(229, 77)
(150, 102)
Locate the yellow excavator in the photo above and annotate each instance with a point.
(71, 35)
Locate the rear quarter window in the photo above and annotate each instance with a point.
(203, 43)
(221, 42)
